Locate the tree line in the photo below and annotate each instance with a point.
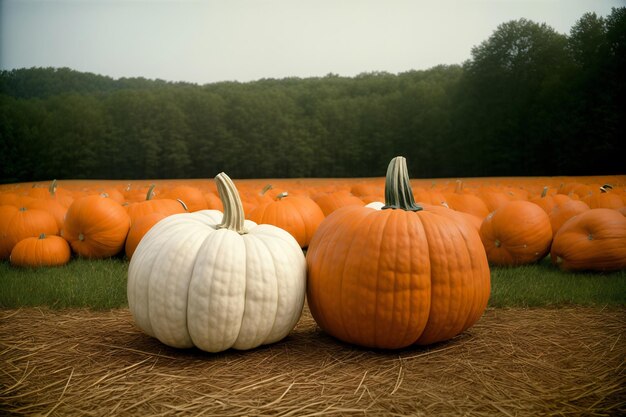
(530, 101)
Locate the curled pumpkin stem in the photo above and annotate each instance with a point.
(233, 209)
(398, 192)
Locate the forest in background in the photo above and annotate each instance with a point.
(529, 102)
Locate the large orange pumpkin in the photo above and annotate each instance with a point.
(96, 226)
(592, 240)
(398, 276)
(517, 233)
(45, 250)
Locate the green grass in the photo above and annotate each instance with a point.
(101, 285)
(544, 285)
(95, 284)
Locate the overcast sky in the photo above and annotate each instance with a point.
(218, 40)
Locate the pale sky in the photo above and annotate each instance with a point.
(245, 40)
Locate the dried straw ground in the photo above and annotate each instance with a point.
(512, 363)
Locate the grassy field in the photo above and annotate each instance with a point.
(101, 285)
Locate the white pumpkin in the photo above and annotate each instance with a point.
(217, 281)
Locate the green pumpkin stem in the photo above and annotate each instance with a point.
(233, 209)
(282, 195)
(53, 188)
(544, 193)
(398, 192)
(150, 194)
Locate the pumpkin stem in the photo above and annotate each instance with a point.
(458, 189)
(398, 192)
(42, 236)
(282, 195)
(233, 209)
(52, 189)
(266, 189)
(182, 203)
(544, 192)
(605, 188)
(150, 194)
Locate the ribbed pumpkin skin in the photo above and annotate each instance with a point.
(18, 224)
(517, 233)
(41, 251)
(392, 278)
(300, 216)
(592, 240)
(96, 226)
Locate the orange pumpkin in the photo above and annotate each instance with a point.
(96, 226)
(18, 224)
(191, 196)
(467, 203)
(330, 202)
(604, 199)
(150, 205)
(563, 210)
(139, 228)
(592, 240)
(45, 250)
(399, 276)
(517, 233)
(545, 201)
(299, 215)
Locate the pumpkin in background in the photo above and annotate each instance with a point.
(604, 199)
(563, 210)
(494, 198)
(151, 205)
(213, 202)
(398, 276)
(138, 228)
(467, 203)
(592, 240)
(52, 192)
(545, 201)
(17, 224)
(192, 197)
(44, 250)
(517, 233)
(217, 281)
(298, 215)
(96, 226)
(330, 202)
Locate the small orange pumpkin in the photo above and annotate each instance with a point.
(45, 250)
